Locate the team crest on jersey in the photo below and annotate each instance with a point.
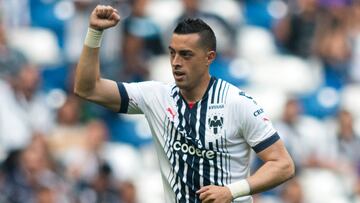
(216, 123)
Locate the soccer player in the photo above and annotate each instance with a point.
(204, 128)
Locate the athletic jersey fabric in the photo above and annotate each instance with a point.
(209, 143)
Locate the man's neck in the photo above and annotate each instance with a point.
(196, 93)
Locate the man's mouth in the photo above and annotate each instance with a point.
(178, 75)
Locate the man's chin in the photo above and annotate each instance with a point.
(180, 84)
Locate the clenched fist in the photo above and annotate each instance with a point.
(103, 17)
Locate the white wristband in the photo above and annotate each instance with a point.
(93, 38)
(239, 189)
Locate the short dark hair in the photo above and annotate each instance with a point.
(196, 25)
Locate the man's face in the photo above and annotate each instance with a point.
(189, 60)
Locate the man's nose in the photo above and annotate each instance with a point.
(176, 61)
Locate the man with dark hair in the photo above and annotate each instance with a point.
(207, 36)
(204, 128)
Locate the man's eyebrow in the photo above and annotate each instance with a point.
(182, 50)
(185, 51)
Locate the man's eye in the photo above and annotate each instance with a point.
(186, 55)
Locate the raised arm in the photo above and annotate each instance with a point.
(88, 82)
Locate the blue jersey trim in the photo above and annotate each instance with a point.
(266, 143)
(124, 98)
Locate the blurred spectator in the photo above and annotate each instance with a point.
(82, 161)
(103, 188)
(81, 155)
(332, 44)
(28, 172)
(289, 132)
(302, 135)
(348, 149)
(68, 131)
(10, 59)
(295, 33)
(349, 142)
(141, 40)
(69, 113)
(23, 107)
(354, 19)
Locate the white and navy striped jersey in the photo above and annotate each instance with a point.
(208, 143)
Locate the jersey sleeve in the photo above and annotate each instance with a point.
(134, 96)
(255, 127)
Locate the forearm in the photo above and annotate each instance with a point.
(271, 174)
(278, 167)
(87, 72)
(87, 76)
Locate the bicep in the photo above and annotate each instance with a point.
(106, 93)
(275, 152)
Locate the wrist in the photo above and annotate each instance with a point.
(239, 188)
(93, 38)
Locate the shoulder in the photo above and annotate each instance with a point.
(241, 103)
(158, 86)
(237, 96)
(148, 84)
(148, 88)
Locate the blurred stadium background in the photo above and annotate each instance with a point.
(300, 59)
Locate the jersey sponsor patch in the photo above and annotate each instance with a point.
(258, 112)
(190, 149)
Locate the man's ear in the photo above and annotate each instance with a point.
(211, 55)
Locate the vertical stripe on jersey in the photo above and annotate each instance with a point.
(223, 162)
(213, 165)
(189, 172)
(172, 155)
(227, 155)
(170, 151)
(202, 130)
(194, 160)
(218, 165)
(227, 161)
(187, 121)
(213, 91)
(226, 88)
(182, 110)
(218, 92)
(209, 165)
